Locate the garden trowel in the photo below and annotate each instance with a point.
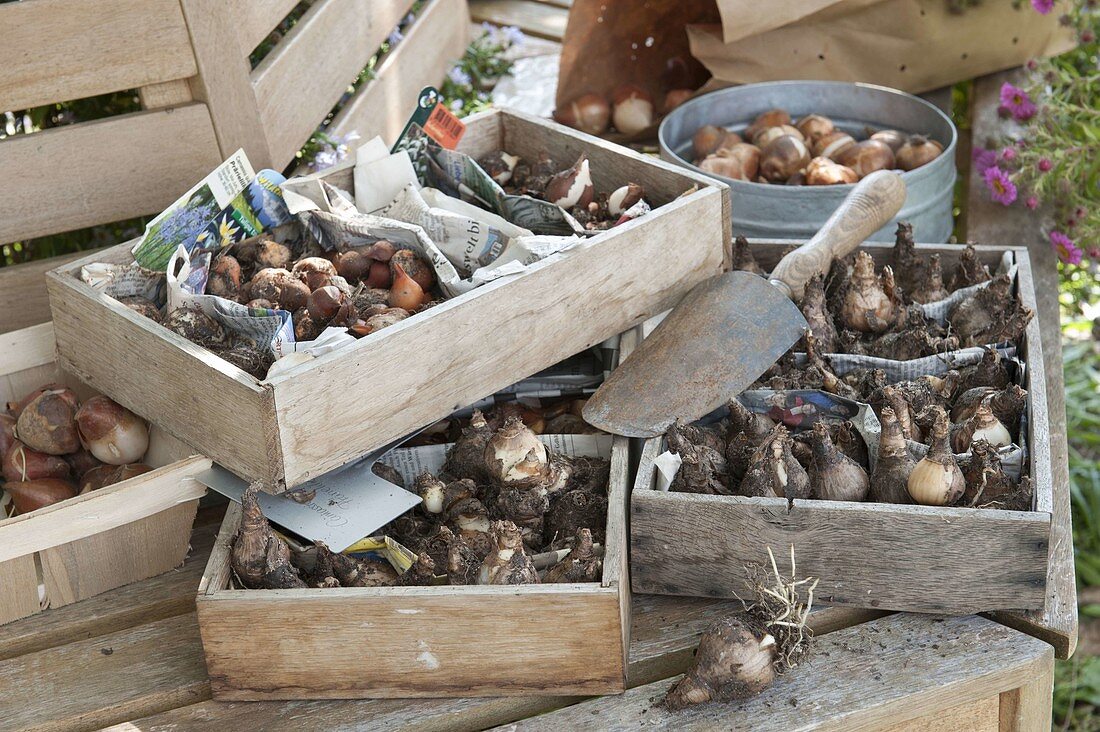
(729, 329)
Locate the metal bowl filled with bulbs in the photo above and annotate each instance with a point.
(800, 169)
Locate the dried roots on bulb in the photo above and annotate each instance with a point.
(868, 307)
(466, 459)
(919, 393)
(990, 315)
(740, 656)
(703, 467)
(818, 318)
(773, 470)
(421, 573)
(908, 265)
(937, 479)
(743, 258)
(351, 572)
(507, 563)
(890, 479)
(279, 573)
(581, 564)
(986, 483)
(969, 271)
(930, 288)
(865, 382)
(572, 511)
(991, 371)
(834, 476)
(462, 561)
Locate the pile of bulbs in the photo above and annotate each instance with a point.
(812, 151)
(630, 109)
(54, 447)
(503, 510)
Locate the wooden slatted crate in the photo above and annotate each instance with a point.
(201, 100)
(438, 641)
(105, 539)
(323, 414)
(883, 556)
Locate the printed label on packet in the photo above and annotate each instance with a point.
(433, 116)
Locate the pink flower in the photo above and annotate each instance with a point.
(1000, 185)
(1064, 247)
(1031, 202)
(983, 159)
(1042, 6)
(1094, 253)
(1045, 165)
(1016, 101)
(1080, 213)
(1009, 154)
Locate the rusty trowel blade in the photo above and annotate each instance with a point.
(719, 339)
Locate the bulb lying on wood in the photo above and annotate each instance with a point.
(740, 656)
(937, 479)
(890, 479)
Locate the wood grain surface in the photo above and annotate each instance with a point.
(873, 676)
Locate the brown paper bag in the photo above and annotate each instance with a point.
(630, 42)
(914, 45)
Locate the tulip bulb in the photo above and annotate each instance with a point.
(32, 495)
(632, 109)
(405, 293)
(783, 157)
(112, 433)
(588, 113)
(917, 151)
(621, 199)
(572, 187)
(48, 424)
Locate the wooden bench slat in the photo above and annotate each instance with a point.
(106, 170)
(255, 20)
(71, 49)
(163, 596)
(300, 81)
(866, 677)
(664, 634)
(540, 19)
(107, 679)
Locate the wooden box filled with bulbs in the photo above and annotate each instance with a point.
(91, 497)
(508, 578)
(438, 328)
(900, 447)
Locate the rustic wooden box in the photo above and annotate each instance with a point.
(105, 539)
(443, 641)
(890, 557)
(325, 413)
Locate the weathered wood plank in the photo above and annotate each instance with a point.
(23, 298)
(383, 105)
(106, 170)
(882, 673)
(105, 680)
(255, 20)
(159, 394)
(166, 94)
(304, 76)
(70, 49)
(664, 636)
(224, 83)
(540, 19)
(865, 554)
(19, 579)
(163, 596)
(984, 714)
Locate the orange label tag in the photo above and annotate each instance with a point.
(444, 127)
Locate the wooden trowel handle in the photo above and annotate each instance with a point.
(870, 206)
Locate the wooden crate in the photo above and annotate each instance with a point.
(884, 556)
(200, 98)
(325, 413)
(441, 641)
(97, 542)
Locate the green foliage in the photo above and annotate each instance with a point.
(467, 86)
(1077, 694)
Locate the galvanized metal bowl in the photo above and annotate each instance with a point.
(763, 210)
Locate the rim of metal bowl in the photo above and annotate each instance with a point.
(794, 191)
